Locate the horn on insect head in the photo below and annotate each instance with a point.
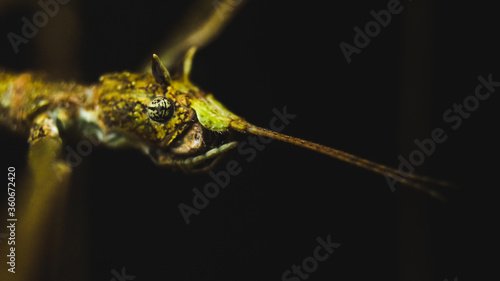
(416, 181)
(187, 63)
(160, 72)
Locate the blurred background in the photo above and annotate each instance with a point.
(122, 210)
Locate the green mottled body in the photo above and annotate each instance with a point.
(123, 101)
(24, 97)
(116, 111)
(171, 120)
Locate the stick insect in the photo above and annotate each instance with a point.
(166, 116)
(171, 115)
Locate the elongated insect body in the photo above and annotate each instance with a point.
(171, 120)
(28, 101)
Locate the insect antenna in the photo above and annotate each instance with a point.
(416, 181)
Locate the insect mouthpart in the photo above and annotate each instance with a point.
(160, 109)
(196, 149)
(190, 142)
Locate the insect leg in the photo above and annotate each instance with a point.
(200, 25)
(44, 199)
(187, 164)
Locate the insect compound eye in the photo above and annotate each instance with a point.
(160, 109)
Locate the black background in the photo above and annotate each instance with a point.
(276, 54)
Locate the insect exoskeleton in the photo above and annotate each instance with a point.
(160, 109)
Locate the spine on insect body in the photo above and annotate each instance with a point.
(23, 96)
